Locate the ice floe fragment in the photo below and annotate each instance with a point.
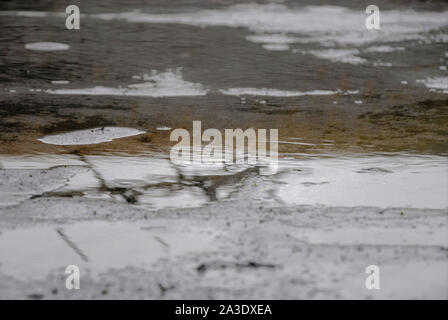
(90, 136)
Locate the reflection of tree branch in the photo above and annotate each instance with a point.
(102, 181)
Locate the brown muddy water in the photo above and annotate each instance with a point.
(85, 123)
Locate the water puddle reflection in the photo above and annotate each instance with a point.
(152, 181)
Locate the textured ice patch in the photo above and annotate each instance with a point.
(47, 46)
(271, 38)
(436, 84)
(440, 38)
(338, 55)
(165, 84)
(274, 92)
(90, 136)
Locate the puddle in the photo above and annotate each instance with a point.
(149, 180)
(382, 181)
(47, 46)
(421, 236)
(96, 247)
(90, 136)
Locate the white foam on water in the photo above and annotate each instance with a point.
(90, 136)
(271, 38)
(45, 250)
(165, 84)
(31, 14)
(383, 49)
(274, 92)
(327, 25)
(47, 46)
(439, 83)
(272, 42)
(382, 64)
(60, 82)
(322, 24)
(374, 235)
(338, 55)
(276, 47)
